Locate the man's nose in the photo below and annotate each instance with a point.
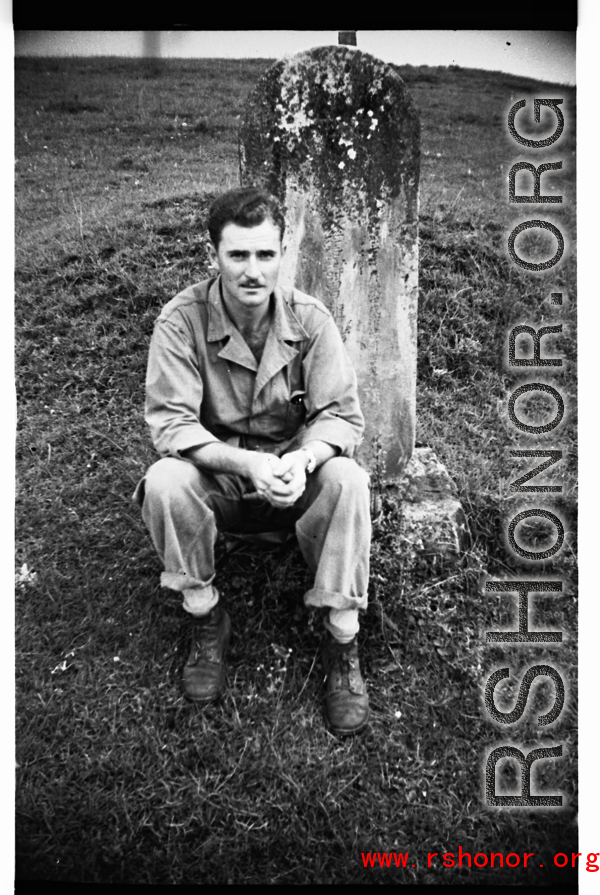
(252, 268)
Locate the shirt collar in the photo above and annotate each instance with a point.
(285, 328)
(285, 324)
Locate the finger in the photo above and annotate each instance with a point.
(284, 466)
(281, 488)
(287, 501)
(291, 491)
(282, 504)
(267, 481)
(295, 481)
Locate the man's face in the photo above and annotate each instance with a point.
(249, 259)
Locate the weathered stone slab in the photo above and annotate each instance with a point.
(334, 133)
(433, 520)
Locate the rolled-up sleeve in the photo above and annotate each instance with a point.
(333, 412)
(174, 389)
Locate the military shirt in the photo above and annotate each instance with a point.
(204, 384)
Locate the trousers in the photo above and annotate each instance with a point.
(184, 508)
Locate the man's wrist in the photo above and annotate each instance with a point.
(216, 456)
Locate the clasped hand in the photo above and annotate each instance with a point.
(280, 480)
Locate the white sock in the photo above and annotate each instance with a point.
(343, 624)
(199, 601)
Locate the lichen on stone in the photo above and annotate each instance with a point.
(338, 119)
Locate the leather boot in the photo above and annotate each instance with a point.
(347, 703)
(204, 671)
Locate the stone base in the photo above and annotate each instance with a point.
(433, 521)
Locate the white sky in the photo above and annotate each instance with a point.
(546, 55)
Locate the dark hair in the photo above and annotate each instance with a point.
(247, 206)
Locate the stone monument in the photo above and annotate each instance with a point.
(334, 134)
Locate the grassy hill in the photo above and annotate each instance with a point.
(120, 780)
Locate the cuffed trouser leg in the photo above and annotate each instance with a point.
(183, 508)
(334, 535)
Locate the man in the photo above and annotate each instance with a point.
(252, 403)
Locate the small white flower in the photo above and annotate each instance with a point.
(370, 114)
(352, 153)
(398, 714)
(61, 667)
(342, 165)
(24, 576)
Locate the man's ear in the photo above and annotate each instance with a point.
(212, 254)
